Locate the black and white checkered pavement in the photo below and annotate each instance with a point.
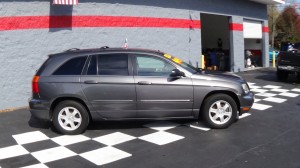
(41, 149)
(267, 95)
(36, 149)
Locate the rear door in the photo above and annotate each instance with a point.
(158, 94)
(109, 86)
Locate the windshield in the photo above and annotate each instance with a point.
(183, 64)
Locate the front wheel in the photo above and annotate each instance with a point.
(219, 111)
(70, 117)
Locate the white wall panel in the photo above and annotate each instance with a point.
(252, 29)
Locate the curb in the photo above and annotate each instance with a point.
(13, 109)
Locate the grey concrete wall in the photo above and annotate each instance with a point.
(23, 51)
(265, 48)
(237, 46)
(159, 8)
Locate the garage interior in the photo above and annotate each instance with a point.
(215, 38)
(253, 43)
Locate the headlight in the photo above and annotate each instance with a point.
(245, 88)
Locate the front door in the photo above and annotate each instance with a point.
(109, 86)
(158, 94)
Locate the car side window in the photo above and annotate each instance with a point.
(71, 67)
(92, 67)
(113, 64)
(152, 66)
(297, 46)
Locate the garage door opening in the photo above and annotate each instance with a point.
(253, 43)
(215, 38)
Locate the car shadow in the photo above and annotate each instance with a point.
(102, 125)
(271, 77)
(38, 123)
(134, 124)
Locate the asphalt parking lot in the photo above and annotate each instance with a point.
(267, 136)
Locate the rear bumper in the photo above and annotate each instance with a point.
(246, 102)
(39, 109)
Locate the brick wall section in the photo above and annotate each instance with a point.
(23, 51)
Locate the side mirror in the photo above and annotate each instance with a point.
(176, 73)
(295, 51)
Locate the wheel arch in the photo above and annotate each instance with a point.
(56, 101)
(226, 92)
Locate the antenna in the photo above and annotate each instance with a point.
(125, 44)
(104, 47)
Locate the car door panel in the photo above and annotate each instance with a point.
(161, 96)
(164, 97)
(112, 96)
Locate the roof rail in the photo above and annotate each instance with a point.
(72, 49)
(104, 47)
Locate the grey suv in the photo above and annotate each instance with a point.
(75, 87)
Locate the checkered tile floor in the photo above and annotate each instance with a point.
(266, 96)
(36, 149)
(41, 150)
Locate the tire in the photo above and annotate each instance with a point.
(214, 113)
(70, 117)
(282, 75)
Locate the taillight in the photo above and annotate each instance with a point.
(35, 84)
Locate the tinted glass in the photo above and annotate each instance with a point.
(71, 67)
(151, 66)
(113, 64)
(92, 69)
(297, 46)
(42, 68)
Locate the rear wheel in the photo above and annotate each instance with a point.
(282, 75)
(70, 117)
(219, 111)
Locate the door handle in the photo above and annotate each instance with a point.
(144, 83)
(90, 82)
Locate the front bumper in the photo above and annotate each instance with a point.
(39, 108)
(288, 68)
(246, 102)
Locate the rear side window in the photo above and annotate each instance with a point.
(72, 67)
(42, 68)
(109, 64)
(92, 69)
(113, 64)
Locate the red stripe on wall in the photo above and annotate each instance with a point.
(236, 27)
(41, 22)
(265, 29)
